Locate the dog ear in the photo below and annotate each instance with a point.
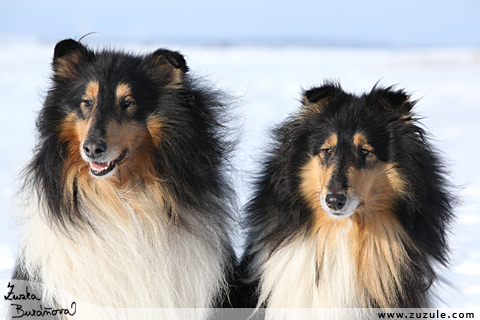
(67, 56)
(392, 100)
(171, 64)
(315, 100)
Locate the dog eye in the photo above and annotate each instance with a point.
(88, 103)
(327, 151)
(365, 152)
(126, 103)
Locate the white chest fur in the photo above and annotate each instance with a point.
(293, 278)
(125, 266)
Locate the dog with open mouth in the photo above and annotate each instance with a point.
(126, 201)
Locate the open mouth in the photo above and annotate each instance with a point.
(103, 168)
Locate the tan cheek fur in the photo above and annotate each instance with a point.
(155, 128)
(135, 174)
(379, 241)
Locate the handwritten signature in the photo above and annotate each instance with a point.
(39, 312)
(12, 296)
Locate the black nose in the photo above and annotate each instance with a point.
(94, 148)
(336, 201)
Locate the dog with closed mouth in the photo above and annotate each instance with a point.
(351, 208)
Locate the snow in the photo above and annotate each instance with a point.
(268, 82)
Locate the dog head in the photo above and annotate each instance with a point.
(351, 168)
(109, 100)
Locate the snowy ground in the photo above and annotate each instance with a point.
(268, 81)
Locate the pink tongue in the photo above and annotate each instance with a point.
(98, 165)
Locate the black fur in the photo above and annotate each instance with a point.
(277, 213)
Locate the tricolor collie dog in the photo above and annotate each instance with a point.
(351, 208)
(128, 204)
